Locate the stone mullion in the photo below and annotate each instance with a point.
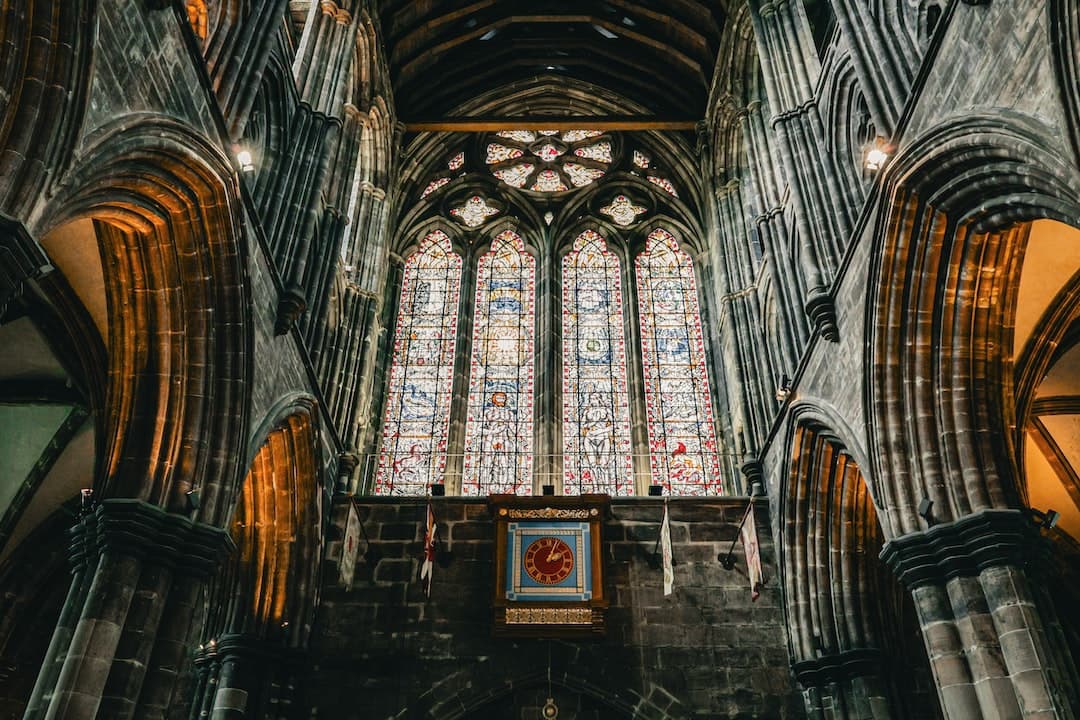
(635, 379)
(547, 389)
(459, 404)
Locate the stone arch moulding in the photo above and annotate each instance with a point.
(173, 261)
(939, 428)
(1065, 49)
(45, 81)
(568, 663)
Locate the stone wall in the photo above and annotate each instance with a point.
(381, 649)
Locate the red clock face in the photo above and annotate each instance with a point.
(548, 560)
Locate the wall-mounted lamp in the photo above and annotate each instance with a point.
(877, 154)
(1045, 520)
(247, 164)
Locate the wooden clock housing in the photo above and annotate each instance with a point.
(549, 570)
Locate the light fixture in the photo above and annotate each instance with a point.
(783, 390)
(247, 164)
(877, 154)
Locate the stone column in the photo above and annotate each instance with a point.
(825, 204)
(972, 580)
(243, 676)
(127, 556)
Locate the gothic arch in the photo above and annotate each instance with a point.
(569, 664)
(1065, 48)
(171, 258)
(941, 427)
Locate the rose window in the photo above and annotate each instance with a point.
(548, 160)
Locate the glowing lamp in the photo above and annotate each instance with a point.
(246, 163)
(877, 155)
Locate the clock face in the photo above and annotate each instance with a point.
(548, 560)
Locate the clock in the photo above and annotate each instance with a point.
(548, 560)
(549, 574)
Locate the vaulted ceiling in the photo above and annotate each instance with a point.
(657, 54)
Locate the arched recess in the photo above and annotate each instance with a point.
(477, 689)
(941, 426)
(262, 606)
(942, 394)
(854, 639)
(163, 205)
(176, 292)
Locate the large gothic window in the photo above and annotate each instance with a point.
(499, 423)
(596, 408)
(422, 374)
(582, 363)
(682, 440)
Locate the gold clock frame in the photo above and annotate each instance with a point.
(555, 618)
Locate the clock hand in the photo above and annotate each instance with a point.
(554, 555)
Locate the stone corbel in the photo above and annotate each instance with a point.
(291, 305)
(821, 310)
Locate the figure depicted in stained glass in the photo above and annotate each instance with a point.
(499, 426)
(596, 412)
(682, 439)
(413, 452)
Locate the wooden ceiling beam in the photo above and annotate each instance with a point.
(604, 122)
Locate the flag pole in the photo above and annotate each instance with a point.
(728, 561)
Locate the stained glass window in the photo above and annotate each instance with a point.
(623, 211)
(662, 183)
(456, 162)
(499, 423)
(580, 175)
(548, 181)
(641, 159)
(434, 185)
(523, 136)
(682, 440)
(600, 152)
(497, 153)
(596, 410)
(474, 212)
(413, 453)
(515, 176)
(561, 161)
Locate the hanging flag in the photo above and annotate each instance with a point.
(350, 548)
(753, 551)
(429, 550)
(665, 552)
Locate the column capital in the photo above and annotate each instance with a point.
(839, 667)
(134, 527)
(964, 547)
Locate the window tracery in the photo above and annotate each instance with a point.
(548, 161)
